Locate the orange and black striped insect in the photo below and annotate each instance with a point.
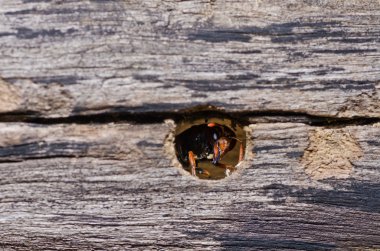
(206, 141)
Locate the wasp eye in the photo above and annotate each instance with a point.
(215, 136)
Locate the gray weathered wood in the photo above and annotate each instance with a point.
(106, 186)
(67, 58)
(140, 198)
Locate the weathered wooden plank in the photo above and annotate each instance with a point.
(141, 200)
(22, 141)
(117, 186)
(62, 58)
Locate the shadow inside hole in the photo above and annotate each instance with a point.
(199, 136)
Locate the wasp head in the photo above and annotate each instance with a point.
(221, 147)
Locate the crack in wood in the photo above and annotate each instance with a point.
(245, 118)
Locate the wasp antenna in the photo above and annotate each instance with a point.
(236, 139)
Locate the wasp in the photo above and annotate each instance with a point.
(206, 141)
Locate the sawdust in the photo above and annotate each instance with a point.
(10, 99)
(330, 154)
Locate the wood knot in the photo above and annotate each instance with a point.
(330, 154)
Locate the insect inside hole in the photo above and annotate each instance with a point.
(208, 141)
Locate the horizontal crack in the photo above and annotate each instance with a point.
(245, 118)
(57, 156)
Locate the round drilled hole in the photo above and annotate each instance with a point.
(210, 148)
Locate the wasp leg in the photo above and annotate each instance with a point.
(241, 152)
(193, 163)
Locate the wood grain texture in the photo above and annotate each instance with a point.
(69, 58)
(106, 186)
(142, 200)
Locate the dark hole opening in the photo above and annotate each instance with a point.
(210, 148)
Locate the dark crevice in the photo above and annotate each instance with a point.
(244, 118)
(25, 158)
(54, 157)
